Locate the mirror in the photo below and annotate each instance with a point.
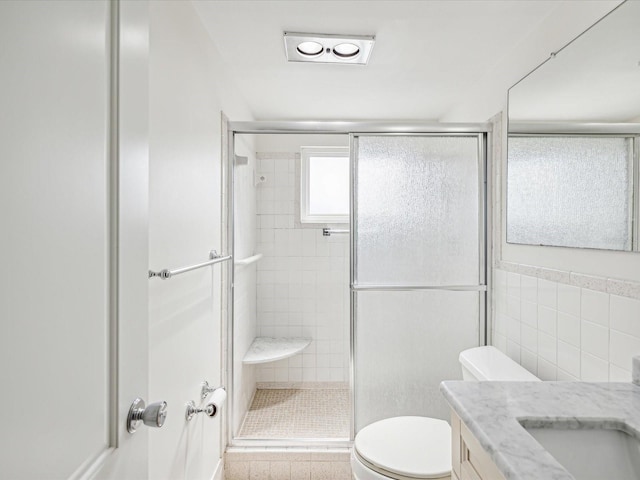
(573, 141)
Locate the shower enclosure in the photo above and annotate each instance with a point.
(417, 273)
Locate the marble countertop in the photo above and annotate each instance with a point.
(492, 410)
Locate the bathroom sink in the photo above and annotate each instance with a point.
(590, 450)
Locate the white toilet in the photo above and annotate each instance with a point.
(414, 448)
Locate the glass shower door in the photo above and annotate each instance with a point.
(418, 276)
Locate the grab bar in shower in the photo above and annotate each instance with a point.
(213, 258)
(327, 232)
(248, 260)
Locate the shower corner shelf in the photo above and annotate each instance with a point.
(270, 349)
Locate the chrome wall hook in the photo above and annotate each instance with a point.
(207, 389)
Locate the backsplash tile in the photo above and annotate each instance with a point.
(547, 320)
(547, 293)
(594, 339)
(569, 299)
(617, 374)
(569, 358)
(529, 313)
(529, 338)
(513, 284)
(624, 315)
(529, 288)
(569, 329)
(529, 360)
(513, 307)
(622, 346)
(593, 369)
(548, 347)
(595, 306)
(565, 332)
(546, 370)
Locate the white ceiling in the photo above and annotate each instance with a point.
(433, 60)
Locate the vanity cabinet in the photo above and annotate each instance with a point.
(469, 459)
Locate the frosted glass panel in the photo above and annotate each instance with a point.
(417, 210)
(569, 191)
(406, 344)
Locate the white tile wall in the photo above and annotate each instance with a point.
(595, 339)
(564, 332)
(303, 281)
(595, 306)
(569, 328)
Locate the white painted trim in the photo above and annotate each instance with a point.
(114, 219)
(218, 473)
(90, 467)
(94, 464)
(401, 128)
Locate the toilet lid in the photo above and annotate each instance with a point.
(414, 447)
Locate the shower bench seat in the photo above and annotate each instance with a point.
(270, 349)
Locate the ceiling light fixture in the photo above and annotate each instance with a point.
(325, 48)
(346, 50)
(310, 49)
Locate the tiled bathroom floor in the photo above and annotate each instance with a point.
(297, 413)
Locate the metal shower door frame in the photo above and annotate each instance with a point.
(483, 252)
(353, 129)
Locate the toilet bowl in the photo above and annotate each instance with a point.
(414, 448)
(403, 448)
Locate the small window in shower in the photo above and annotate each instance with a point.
(324, 185)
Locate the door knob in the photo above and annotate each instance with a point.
(152, 415)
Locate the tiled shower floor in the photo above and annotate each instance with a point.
(297, 413)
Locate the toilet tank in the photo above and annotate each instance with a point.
(490, 364)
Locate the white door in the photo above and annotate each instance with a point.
(73, 203)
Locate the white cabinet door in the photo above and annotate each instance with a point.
(73, 239)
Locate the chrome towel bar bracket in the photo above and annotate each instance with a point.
(166, 273)
(327, 232)
(207, 389)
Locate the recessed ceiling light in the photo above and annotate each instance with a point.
(310, 49)
(319, 47)
(346, 50)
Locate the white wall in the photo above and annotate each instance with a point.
(188, 89)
